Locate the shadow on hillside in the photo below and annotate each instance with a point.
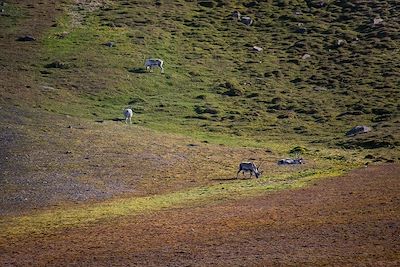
(113, 119)
(137, 70)
(225, 179)
(118, 119)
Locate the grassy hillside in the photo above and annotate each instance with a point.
(78, 186)
(214, 82)
(322, 70)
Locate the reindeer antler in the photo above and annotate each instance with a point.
(261, 162)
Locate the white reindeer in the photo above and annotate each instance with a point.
(154, 63)
(128, 113)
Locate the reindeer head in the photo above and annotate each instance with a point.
(259, 170)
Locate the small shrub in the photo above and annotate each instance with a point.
(233, 92)
(276, 100)
(233, 89)
(136, 100)
(283, 116)
(380, 111)
(202, 97)
(205, 109)
(58, 65)
(297, 151)
(252, 95)
(207, 3)
(372, 142)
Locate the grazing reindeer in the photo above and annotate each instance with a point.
(128, 113)
(154, 63)
(249, 167)
(290, 161)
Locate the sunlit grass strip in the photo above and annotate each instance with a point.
(50, 220)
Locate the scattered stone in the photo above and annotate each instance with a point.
(341, 42)
(246, 20)
(57, 65)
(378, 21)
(26, 38)
(109, 44)
(192, 145)
(358, 130)
(301, 30)
(305, 56)
(300, 44)
(320, 88)
(47, 88)
(236, 15)
(256, 49)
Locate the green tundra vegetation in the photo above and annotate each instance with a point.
(322, 69)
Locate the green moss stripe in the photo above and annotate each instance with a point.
(50, 220)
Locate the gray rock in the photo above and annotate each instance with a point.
(256, 49)
(26, 38)
(358, 130)
(109, 44)
(246, 20)
(236, 15)
(378, 21)
(340, 42)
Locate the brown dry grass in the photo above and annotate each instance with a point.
(347, 221)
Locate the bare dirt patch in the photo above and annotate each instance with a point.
(347, 221)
